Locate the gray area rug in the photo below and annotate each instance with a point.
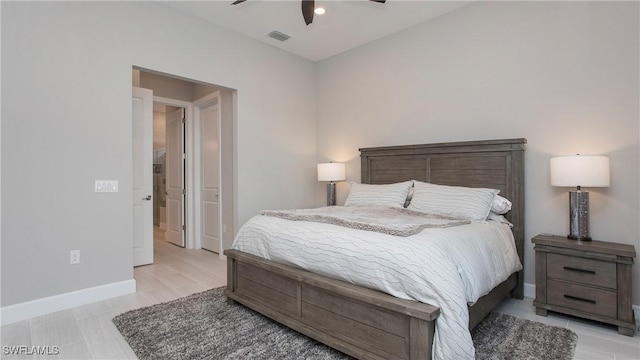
(502, 336)
(205, 326)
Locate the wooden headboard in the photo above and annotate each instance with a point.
(496, 164)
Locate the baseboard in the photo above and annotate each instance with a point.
(27, 310)
(530, 292)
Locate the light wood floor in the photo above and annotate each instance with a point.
(86, 332)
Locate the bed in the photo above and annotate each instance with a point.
(369, 324)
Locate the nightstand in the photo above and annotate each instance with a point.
(589, 279)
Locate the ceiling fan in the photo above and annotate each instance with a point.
(308, 7)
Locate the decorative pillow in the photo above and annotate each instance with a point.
(390, 195)
(456, 201)
(500, 205)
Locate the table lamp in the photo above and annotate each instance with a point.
(579, 171)
(331, 172)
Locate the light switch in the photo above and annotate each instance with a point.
(106, 186)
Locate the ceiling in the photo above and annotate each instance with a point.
(346, 24)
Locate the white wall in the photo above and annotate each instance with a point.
(61, 131)
(564, 75)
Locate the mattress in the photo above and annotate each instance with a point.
(450, 268)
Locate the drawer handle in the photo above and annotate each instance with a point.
(580, 299)
(590, 272)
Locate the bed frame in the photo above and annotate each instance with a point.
(369, 324)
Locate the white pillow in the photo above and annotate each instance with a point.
(499, 218)
(456, 201)
(390, 195)
(500, 205)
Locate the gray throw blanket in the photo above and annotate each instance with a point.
(392, 221)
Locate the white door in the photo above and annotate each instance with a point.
(175, 177)
(210, 165)
(142, 119)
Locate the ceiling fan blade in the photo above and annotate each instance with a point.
(307, 10)
(379, 1)
(238, 2)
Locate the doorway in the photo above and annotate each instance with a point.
(206, 216)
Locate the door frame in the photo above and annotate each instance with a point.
(190, 210)
(197, 174)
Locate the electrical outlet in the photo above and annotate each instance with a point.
(224, 228)
(74, 257)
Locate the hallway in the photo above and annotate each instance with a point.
(177, 272)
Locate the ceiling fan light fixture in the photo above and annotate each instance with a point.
(308, 9)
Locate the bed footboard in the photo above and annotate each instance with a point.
(363, 323)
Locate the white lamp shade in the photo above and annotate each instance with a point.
(580, 170)
(331, 172)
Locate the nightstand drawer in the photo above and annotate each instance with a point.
(583, 298)
(581, 270)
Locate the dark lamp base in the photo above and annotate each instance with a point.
(331, 194)
(584, 238)
(579, 215)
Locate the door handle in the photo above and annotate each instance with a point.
(148, 197)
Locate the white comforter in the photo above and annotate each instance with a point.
(448, 268)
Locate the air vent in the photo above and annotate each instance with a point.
(278, 35)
